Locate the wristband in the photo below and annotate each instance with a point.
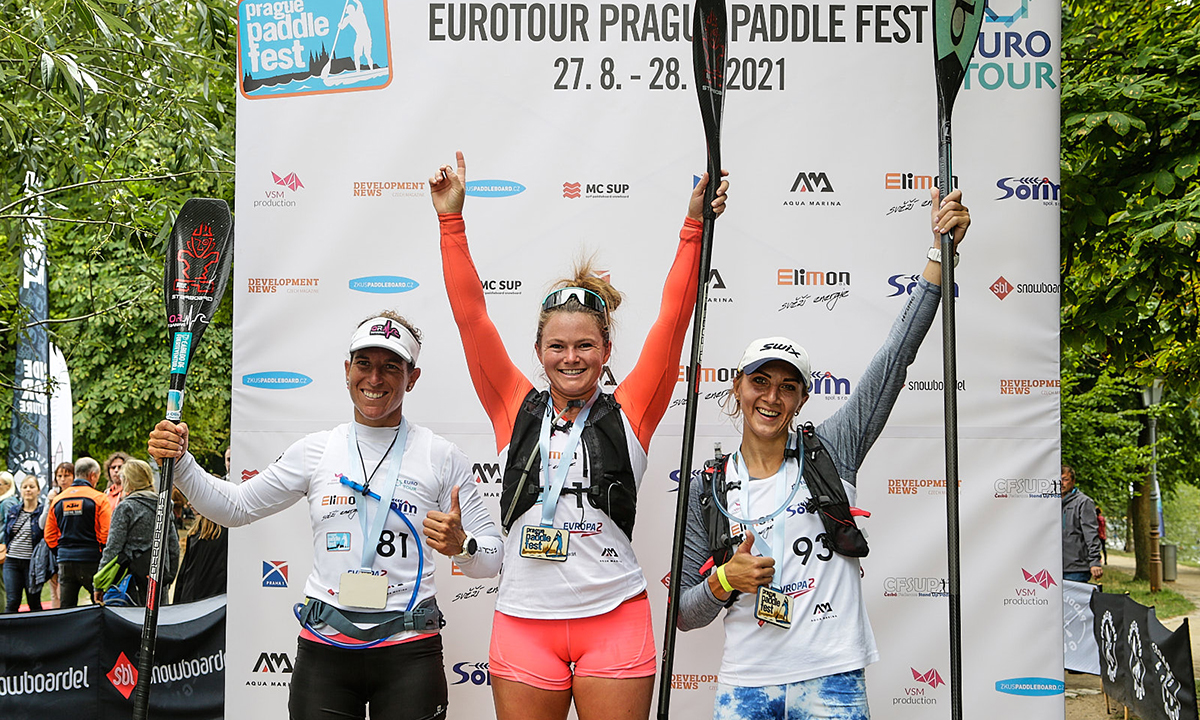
(723, 580)
(935, 254)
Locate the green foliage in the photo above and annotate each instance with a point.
(123, 110)
(1181, 521)
(1166, 602)
(1131, 191)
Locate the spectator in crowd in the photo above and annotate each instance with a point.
(1080, 532)
(64, 475)
(131, 534)
(202, 574)
(1103, 523)
(7, 489)
(112, 474)
(77, 527)
(20, 533)
(228, 471)
(7, 498)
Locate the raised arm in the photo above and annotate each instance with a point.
(498, 382)
(645, 393)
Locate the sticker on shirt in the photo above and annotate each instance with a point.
(337, 542)
(73, 506)
(773, 607)
(543, 543)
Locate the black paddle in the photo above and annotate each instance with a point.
(956, 25)
(708, 63)
(198, 256)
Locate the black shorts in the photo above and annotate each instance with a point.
(398, 682)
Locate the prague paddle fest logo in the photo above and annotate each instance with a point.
(308, 47)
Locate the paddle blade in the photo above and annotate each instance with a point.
(199, 254)
(956, 25)
(709, 41)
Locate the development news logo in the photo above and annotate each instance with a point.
(308, 47)
(276, 380)
(572, 190)
(275, 573)
(1018, 60)
(288, 285)
(918, 692)
(807, 186)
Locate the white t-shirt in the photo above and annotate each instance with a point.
(601, 570)
(830, 631)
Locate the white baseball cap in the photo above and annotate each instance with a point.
(764, 350)
(386, 333)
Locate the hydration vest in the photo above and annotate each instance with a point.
(827, 497)
(613, 488)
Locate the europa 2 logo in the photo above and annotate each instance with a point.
(309, 47)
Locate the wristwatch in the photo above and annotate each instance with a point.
(469, 546)
(935, 254)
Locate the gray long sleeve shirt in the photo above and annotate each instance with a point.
(848, 434)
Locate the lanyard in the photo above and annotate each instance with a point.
(371, 537)
(554, 488)
(782, 497)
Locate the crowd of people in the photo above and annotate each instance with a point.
(57, 537)
(572, 623)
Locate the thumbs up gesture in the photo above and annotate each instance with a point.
(443, 530)
(746, 571)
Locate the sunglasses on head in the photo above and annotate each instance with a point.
(583, 296)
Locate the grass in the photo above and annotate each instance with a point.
(1166, 603)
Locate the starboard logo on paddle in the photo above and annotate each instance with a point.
(309, 47)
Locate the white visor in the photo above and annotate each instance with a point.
(764, 350)
(382, 332)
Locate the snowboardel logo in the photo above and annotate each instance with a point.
(275, 573)
(198, 255)
(308, 47)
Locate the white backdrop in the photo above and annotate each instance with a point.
(828, 152)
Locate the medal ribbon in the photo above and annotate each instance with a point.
(371, 537)
(553, 489)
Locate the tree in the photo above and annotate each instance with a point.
(1131, 192)
(123, 110)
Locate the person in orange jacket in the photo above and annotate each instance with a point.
(77, 528)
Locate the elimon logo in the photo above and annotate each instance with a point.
(476, 673)
(28, 683)
(828, 384)
(1026, 488)
(1043, 578)
(930, 678)
(1028, 188)
(391, 188)
(571, 190)
(1026, 387)
(276, 380)
(1021, 68)
(903, 285)
(494, 188)
(707, 374)
(915, 587)
(800, 276)
(1031, 686)
(289, 285)
(275, 573)
(501, 287)
(291, 181)
(383, 284)
(913, 181)
(273, 663)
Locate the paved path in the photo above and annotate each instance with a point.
(1084, 698)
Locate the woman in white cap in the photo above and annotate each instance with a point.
(770, 531)
(369, 626)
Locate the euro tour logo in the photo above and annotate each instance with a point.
(307, 47)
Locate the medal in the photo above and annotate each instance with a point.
(773, 606)
(363, 588)
(544, 543)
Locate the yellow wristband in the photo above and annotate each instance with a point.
(723, 580)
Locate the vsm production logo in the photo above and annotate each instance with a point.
(826, 287)
(811, 189)
(278, 195)
(1037, 488)
(576, 190)
(307, 47)
(920, 690)
(1002, 288)
(1038, 189)
(1032, 590)
(1011, 58)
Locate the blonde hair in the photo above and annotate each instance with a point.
(136, 475)
(205, 528)
(586, 277)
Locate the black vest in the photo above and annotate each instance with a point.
(613, 488)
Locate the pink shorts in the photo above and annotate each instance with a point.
(546, 654)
